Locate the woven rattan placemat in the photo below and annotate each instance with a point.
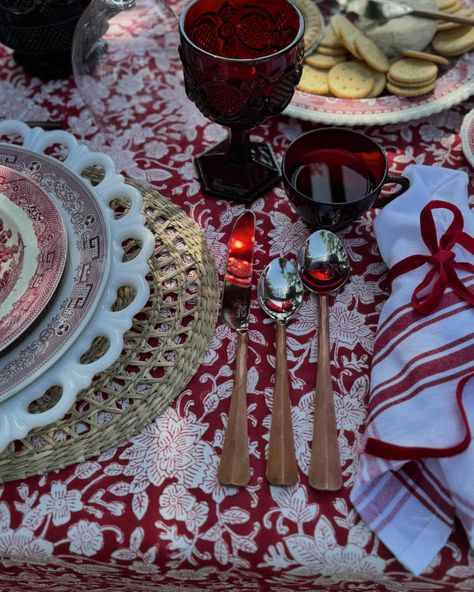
(162, 351)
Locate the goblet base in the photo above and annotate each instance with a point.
(243, 182)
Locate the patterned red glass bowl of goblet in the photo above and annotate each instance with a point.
(241, 60)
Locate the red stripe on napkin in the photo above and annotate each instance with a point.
(416, 483)
(391, 335)
(447, 364)
(397, 452)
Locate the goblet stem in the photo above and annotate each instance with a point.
(238, 169)
(239, 151)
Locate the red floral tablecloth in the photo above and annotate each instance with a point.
(151, 515)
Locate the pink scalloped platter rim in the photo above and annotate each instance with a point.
(454, 85)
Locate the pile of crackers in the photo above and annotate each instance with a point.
(349, 65)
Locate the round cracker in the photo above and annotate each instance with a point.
(403, 91)
(412, 71)
(330, 39)
(380, 81)
(446, 26)
(314, 81)
(443, 4)
(454, 7)
(348, 40)
(454, 42)
(324, 62)
(347, 33)
(336, 21)
(350, 80)
(332, 51)
(423, 55)
(463, 11)
(416, 84)
(371, 54)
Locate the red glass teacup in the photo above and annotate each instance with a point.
(241, 60)
(334, 175)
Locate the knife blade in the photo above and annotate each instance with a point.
(234, 466)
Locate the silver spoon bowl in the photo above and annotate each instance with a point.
(323, 263)
(324, 267)
(280, 290)
(280, 293)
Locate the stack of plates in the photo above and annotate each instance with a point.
(60, 268)
(33, 248)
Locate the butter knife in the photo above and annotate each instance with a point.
(234, 467)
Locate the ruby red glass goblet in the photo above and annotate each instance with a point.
(241, 60)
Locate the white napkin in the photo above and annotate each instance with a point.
(420, 384)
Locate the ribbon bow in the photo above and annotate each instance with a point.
(442, 259)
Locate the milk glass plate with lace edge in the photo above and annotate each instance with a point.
(86, 219)
(453, 86)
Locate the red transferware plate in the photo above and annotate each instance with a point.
(33, 249)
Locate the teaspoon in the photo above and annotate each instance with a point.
(280, 294)
(324, 267)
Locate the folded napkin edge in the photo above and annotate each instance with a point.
(410, 558)
(417, 553)
(390, 451)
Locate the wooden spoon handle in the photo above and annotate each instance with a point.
(282, 468)
(234, 467)
(325, 470)
(444, 16)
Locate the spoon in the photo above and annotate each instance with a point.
(280, 294)
(385, 10)
(324, 267)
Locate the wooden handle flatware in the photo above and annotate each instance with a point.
(234, 467)
(325, 469)
(282, 468)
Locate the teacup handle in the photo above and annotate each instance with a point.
(404, 183)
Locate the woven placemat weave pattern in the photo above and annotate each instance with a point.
(162, 351)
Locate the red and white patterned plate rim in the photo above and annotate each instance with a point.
(84, 277)
(29, 214)
(467, 137)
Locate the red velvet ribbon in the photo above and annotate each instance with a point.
(441, 258)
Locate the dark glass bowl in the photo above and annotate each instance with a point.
(40, 33)
(349, 145)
